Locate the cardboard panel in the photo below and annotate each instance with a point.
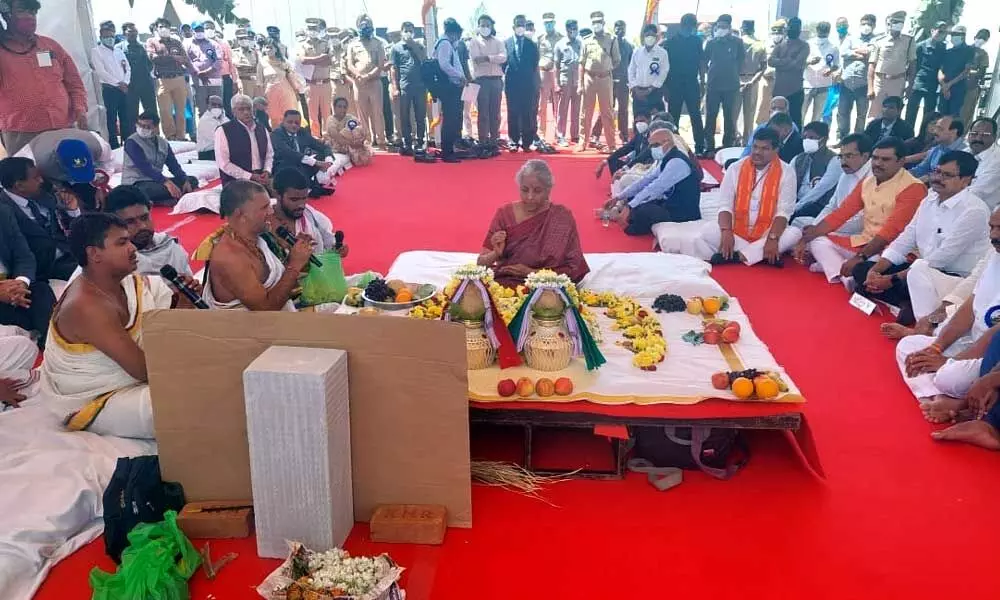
(408, 390)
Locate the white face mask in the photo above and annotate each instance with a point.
(245, 43)
(649, 40)
(866, 30)
(598, 27)
(485, 31)
(658, 152)
(108, 41)
(519, 31)
(407, 36)
(777, 38)
(641, 127)
(199, 35)
(163, 32)
(810, 146)
(722, 32)
(145, 133)
(895, 27)
(313, 35)
(958, 40)
(215, 112)
(979, 43)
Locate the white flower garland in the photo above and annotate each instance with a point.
(545, 278)
(336, 569)
(474, 271)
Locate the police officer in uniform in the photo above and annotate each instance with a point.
(315, 52)
(366, 62)
(547, 70)
(342, 87)
(601, 55)
(249, 69)
(891, 65)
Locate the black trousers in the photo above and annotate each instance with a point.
(413, 100)
(139, 92)
(897, 295)
(727, 100)
(522, 113)
(652, 103)
(228, 89)
(687, 93)
(390, 128)
(117, 108)
(35, 317)
(157, 192)
(929, 100)
(450, 96)
(795, 102)
(619, 99)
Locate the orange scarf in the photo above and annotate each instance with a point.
(768, 201)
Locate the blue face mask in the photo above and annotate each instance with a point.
(658, 152)
(550, 28)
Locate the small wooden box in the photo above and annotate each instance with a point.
(409, 523)
(224, 519)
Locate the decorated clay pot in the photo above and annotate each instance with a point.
(479, 352)
(549, 347)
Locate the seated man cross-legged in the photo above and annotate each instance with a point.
(146, 153)
(949, 233)
(294, 213)
(94, 368)
(296, 148)
(757, 198)
(887, 200)
(940, 370)
(670, 191)
(243, 149)
(243, 272)
(817, 171)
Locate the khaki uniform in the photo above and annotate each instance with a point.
(754, 61)
(319, 89)
(980, 65)
(547, 89)
(891, 57)
(365, 60)
(342, 86)
(600, 56)
(250, 71)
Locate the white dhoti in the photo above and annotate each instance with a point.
(830, 256)
(18, 353)
(954, 378)
(928, 286)
(275, 270)
(710, 239)
(632, 175)
(89, 388)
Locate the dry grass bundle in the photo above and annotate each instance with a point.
(515, 478)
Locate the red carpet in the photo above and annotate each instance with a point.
(898, 517)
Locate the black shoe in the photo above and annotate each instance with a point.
(717, 259)
(406, 151)
(451, 158)
(423, 157)
(514, 149)
(527, 149)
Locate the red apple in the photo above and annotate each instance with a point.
(712, 336)
(734, 325)
(506, 388)
(720, 381)
(730, 335)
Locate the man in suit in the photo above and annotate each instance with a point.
(520, 85)
(17, 278)
(295, 147)
(889, 124)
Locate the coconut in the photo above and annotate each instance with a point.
(470, 307)
(549, 305)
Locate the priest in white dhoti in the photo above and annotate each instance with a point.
(757, 197)
(94, 369)
(941, 369)
(243, 272)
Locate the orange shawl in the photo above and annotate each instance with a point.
(768, 201)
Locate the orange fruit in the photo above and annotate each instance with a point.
(711, 305)
(404, 295)
(545, 387)
(742, 388)
(765, 387)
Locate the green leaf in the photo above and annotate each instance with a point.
(218, 10)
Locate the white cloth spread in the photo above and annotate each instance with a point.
(275, 270)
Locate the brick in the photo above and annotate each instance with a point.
(409, 523)
(216, 520)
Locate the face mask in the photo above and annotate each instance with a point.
(658, 152)
(215, 112)
(108, 41)
(245, 43)
(313, 35)
(958, 40)
(199, 35)
(407, 36)
(823, 36)
(145, 133)
(641, 127)
(866, 30)
(485, 31)
(721, 32)
(895, 27)
(842, 30)
(519, 31)
(777, 38)
(367, 31)
(550, 28)
(598, 28)
(810, 146)
(163, 32)
(649, 40)
(979, 43)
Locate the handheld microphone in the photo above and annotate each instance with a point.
(286, 235)
(338, 240)
(170, 274)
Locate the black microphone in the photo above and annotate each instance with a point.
(170, 274)
(286, 235)
(338, 240)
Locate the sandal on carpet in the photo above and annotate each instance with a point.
(717, 259)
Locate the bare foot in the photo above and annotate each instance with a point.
(895, 331)
(942, 409)
(977, 433)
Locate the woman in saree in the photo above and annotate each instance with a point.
(347, 135)
(281, 84)
(533, 233)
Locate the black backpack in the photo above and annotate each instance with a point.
(716, 451)
(430, 71)
(136, 494)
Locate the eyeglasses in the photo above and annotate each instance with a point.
(945, 174)
(980, 135)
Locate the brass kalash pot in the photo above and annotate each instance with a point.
(549, 347)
